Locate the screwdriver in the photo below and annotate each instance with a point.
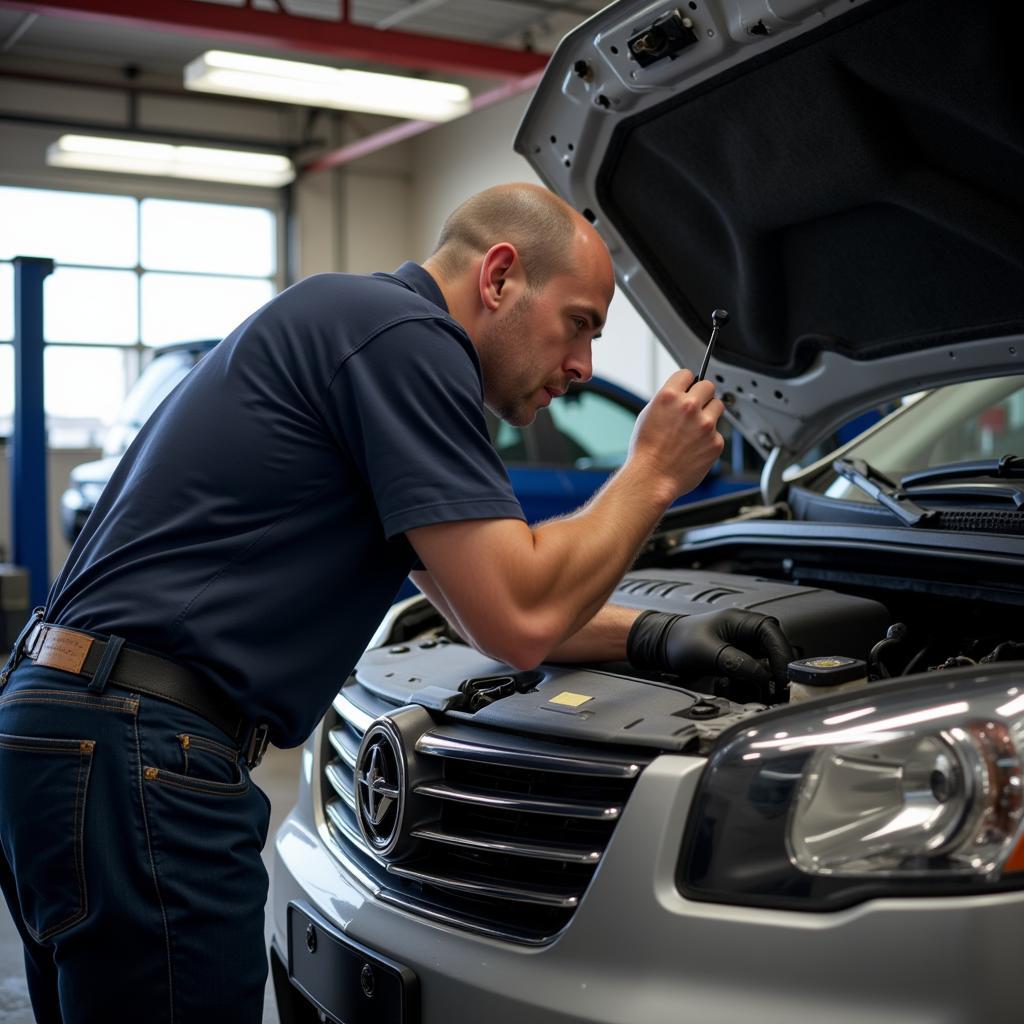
(719, 318)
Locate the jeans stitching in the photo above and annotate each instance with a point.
(43, 746)
(32, 749)
(156, 883)
(79, 827)
(92, 703)
(211, 788)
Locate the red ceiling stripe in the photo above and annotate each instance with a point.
(281, 31)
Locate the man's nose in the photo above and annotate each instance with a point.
(580, 365)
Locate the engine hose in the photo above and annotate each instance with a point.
(894, 635)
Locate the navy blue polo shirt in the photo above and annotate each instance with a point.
(254, 530)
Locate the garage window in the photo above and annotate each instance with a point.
(133, 273)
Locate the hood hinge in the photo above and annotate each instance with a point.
(771, 475)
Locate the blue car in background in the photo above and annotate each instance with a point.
(555, 464)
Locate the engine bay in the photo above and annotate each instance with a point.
(424, 663)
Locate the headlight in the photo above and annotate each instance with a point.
(900, 789)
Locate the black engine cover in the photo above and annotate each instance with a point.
(815, 621)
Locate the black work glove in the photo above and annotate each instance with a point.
(726, 642)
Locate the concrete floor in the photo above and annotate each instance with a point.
(278, 777)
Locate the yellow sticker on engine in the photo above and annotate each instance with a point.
(570, 699)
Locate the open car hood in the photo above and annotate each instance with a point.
(843, 177)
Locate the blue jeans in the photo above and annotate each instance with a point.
(130, 839)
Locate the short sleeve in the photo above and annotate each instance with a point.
(407, 406)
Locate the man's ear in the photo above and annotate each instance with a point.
(499, 270)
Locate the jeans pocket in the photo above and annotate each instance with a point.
(207, 760)
(237, 786)
(43, 787)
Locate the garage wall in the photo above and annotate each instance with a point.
(356, 218)
(375, 216)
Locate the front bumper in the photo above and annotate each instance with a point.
(638, 951)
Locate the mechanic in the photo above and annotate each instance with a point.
(242, 555)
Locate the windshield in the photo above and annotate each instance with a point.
(978, 419)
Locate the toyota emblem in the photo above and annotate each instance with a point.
(380, 786)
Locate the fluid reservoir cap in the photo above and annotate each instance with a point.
(827, 670)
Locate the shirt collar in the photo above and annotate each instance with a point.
(416, 279)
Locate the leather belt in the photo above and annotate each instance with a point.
(137, 671)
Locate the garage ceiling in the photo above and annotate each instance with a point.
(495, 47)
(37, 32)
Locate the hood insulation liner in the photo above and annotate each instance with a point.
(860, 189)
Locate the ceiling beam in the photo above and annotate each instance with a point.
(19, 30)
(412, 10)
(246, 26)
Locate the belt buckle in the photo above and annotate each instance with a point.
(34, 640)
(259, 740)
(18, 650)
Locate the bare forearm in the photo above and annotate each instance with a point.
(603, 638)
(581, 558)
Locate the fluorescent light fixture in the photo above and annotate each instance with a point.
(289, 81)
(124, 156)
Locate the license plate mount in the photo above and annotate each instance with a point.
(347, 981)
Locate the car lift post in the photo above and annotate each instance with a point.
(28, 462)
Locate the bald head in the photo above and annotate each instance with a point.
(529, 280)
(540, 225)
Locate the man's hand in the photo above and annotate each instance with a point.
(676, 438)
(725, 642)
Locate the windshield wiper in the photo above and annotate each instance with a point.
(958, 492)
(1008, 467)
(883, 490)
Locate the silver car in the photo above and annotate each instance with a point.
(587, 845)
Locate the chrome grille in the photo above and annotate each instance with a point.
(521, 823)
